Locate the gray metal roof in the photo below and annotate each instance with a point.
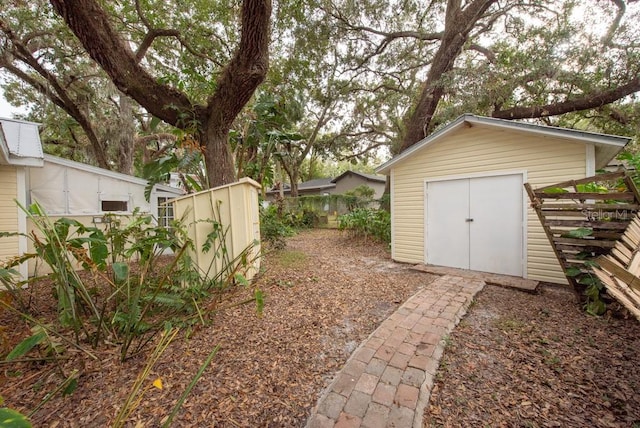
(20, 142)
(315, 184)
(607, 146)
(370, 177)
(318, 183)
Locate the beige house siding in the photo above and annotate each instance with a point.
(9, 246)
(351, 181)
(474, 150)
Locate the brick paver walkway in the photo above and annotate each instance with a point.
(387, 381)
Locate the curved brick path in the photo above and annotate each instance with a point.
(387, 381)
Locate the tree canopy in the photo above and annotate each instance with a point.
(342, 78)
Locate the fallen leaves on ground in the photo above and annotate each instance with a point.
(522, 360)
(325, 293)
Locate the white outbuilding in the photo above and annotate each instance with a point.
(63, 188)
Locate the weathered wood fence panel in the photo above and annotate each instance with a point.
(584, 225)
(620, 270)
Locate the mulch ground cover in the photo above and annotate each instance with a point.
(515, 360)
(522, 360)
(325, 293)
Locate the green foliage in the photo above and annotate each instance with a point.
(300, 218)
(62, 245)
(273, 229)
(182, 157)
(333, 203)
(591, 188)
(10, 418)
(140, 291)
(365, 222)
(593, 287)
(633, 160)
(581, 232)
(25, 346)
(360, 197)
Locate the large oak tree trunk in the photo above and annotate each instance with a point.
(458, 24)
(211, 123)
(219, 161)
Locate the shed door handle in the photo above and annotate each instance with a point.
(469, 220)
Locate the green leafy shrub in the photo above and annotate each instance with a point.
(360, 197)
(301, 218)
(365, 222)
(129, 291)
(273, 228)
(127, 294)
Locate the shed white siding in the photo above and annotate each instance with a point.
(69, 188)
(77, 191)
(471, 151)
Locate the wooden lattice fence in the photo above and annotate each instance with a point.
(620, 270)
(584, 219)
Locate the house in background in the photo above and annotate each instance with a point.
(347, 181)
(350, 180)
(458, 200)
(63, 188)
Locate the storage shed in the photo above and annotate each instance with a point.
(235, 208)
(457, 196)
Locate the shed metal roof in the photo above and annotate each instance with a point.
(20, 143)
(607, 146)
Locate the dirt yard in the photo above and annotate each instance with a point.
(516, 360)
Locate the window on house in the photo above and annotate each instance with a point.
(115, 205)
(326, 201)
(165, 212)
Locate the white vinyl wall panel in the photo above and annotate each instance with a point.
(473, 150)
(66, 190)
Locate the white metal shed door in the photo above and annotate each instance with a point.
(476, 224)
(447, 230)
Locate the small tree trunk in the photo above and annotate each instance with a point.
(293, 177)
(385, 203)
